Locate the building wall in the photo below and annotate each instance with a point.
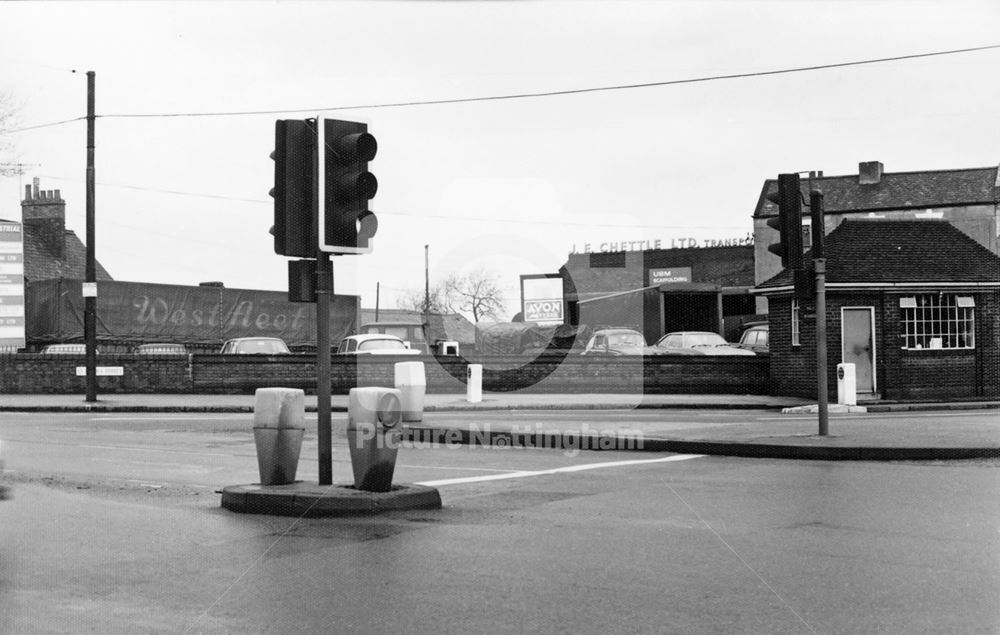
(901, 374)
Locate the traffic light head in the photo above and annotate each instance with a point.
(294, 220)
(347, 224)
(788, 222)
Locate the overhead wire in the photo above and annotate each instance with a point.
(530, 95)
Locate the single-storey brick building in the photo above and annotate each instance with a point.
(915, 305)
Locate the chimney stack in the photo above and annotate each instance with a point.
(44, 215)
(869, 173)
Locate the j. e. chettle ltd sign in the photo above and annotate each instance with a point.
(613, 246)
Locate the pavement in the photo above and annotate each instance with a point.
(933, 433)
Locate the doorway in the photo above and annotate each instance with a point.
(858, 337)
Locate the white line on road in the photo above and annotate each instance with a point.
(558, 470)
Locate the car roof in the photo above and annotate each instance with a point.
(392, 323)
(617, 330)
(693, 333)
(372, 336)
(255, 339)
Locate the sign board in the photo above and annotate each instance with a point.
(11, 287)
(674, 274)
(89, 290)
(543, 311)
(542, 298)
(102, 371)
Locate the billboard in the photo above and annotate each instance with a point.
(11, 287)
(542, 298)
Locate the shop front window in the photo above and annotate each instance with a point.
(938, 321)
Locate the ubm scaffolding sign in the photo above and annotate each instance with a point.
(11, 287)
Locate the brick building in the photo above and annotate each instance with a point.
(968, 198)
(915, 305)
(51, 250)
(657, 291)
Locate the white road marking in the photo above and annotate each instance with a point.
(558, 470)
(459, 468)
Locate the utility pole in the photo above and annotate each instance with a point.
(90, 277)
(427, 281)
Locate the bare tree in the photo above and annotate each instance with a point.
(477, 293)
(417, 301)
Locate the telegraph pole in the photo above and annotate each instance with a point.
(90, 277)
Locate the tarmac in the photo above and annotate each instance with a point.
(790, 431)
(933, 433)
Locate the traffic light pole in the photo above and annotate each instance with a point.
(324, 289)
(819, 261)
(821, 387)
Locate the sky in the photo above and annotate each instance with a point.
(187, 94)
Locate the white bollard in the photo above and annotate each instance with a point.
(411, 382)
(847, 385)
(278, 429)
(474, 384)
(373, 436)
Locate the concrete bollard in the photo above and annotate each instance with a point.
(278, 429)
(474, 383)
(847, 385)
(374, 434)
(411, 382)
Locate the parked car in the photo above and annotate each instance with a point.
(161, 349)
(617, 341)
(755, 338)
(65, 349)
(255, 346)
(696, 343)
(411, 332)
(375, 344)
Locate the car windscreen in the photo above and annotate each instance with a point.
(262, 346)
(381, 345)
(704, 339)
(626, 339)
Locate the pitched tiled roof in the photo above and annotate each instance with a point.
(41, 264)
(901, 252)
(898, 190)
(451, 326)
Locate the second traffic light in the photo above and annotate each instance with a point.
(294, 217)
(346, 224)
(788, 222)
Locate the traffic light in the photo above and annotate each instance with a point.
(788, 221)
(347, 225)
(294, 221)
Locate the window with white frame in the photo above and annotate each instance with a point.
(795, 323)
(938, 321)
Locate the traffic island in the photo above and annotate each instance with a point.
(310, 500)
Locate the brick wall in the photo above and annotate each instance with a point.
(214, 373)
(56, 374)
(901, 374)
